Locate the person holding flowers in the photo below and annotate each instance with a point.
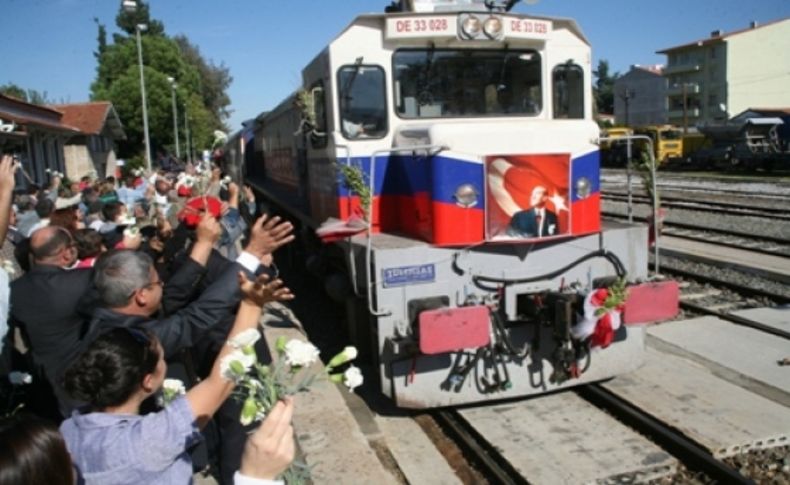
(111, 443)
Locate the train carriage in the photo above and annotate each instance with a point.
(471, 128)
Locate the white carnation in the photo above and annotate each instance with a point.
(352, 378)
(19, 378)
(235, 372)
(245, 338)
(300, 354)
(176, 386)
(347, 354)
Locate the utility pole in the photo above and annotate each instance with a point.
(685, 109)
(186, 129)
(138, 28)
(626, 97)
(173, 86)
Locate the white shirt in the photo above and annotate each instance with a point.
(540, 216)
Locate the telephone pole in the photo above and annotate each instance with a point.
(685, 109)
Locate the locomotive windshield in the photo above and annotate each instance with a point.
(447, 83)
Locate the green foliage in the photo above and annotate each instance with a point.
(643, 165)
(127, 21)
(200, 93)
(14, 90)
(617, 293)
(28, 95)
(215, 80)
(304, 101)
(604, 87)
(354, 179)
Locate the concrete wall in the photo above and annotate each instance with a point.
(647, 104)
(93, 153)
(758, 68)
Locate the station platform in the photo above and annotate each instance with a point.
(773, 267)
(333, 437)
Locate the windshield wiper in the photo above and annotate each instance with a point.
(350, 83)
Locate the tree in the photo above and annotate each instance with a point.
(31, 96)
(14, 90)
(101, 39)
(604, 87)
(200, 93)
(128, 21)
(215, 80)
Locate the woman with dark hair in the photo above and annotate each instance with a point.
(33, 453)
(89, 247)
(112, 443)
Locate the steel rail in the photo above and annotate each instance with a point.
(707, 206)
(738, 288)
(495, 466)
(738, 320)
(693, 307)
(725, 232)
(691, 453)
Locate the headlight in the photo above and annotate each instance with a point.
(471, 26)
(492, 27)
(583, 187)
(466, 196)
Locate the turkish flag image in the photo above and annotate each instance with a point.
(527, 196)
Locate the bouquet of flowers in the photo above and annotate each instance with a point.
(601, 319)
(261, 386)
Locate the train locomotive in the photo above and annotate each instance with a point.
(450, 144)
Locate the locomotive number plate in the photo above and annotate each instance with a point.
(414, 27)
(409, 275)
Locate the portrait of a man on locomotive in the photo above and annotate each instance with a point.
(527, 196)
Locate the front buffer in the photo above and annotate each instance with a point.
(458, 326)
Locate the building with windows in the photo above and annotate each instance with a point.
(711, 79)
(37, 135)
(93, 149)
(640, 97)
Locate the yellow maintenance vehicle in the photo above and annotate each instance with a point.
(613, 146)
(667, 142)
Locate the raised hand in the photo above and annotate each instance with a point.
(209, 229)
(268, 234)
(7, 169)
(270, 449)
(262, 290)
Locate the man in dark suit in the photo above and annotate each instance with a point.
(51, 304)
(537, 221)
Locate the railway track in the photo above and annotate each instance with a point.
(669, 449)
(712, 206)
(764, 244)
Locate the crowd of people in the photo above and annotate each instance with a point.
(120, 284)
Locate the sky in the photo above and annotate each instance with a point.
(48, 45)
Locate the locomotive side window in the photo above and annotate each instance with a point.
(451, 83)
(568, 81)
(363, 103)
